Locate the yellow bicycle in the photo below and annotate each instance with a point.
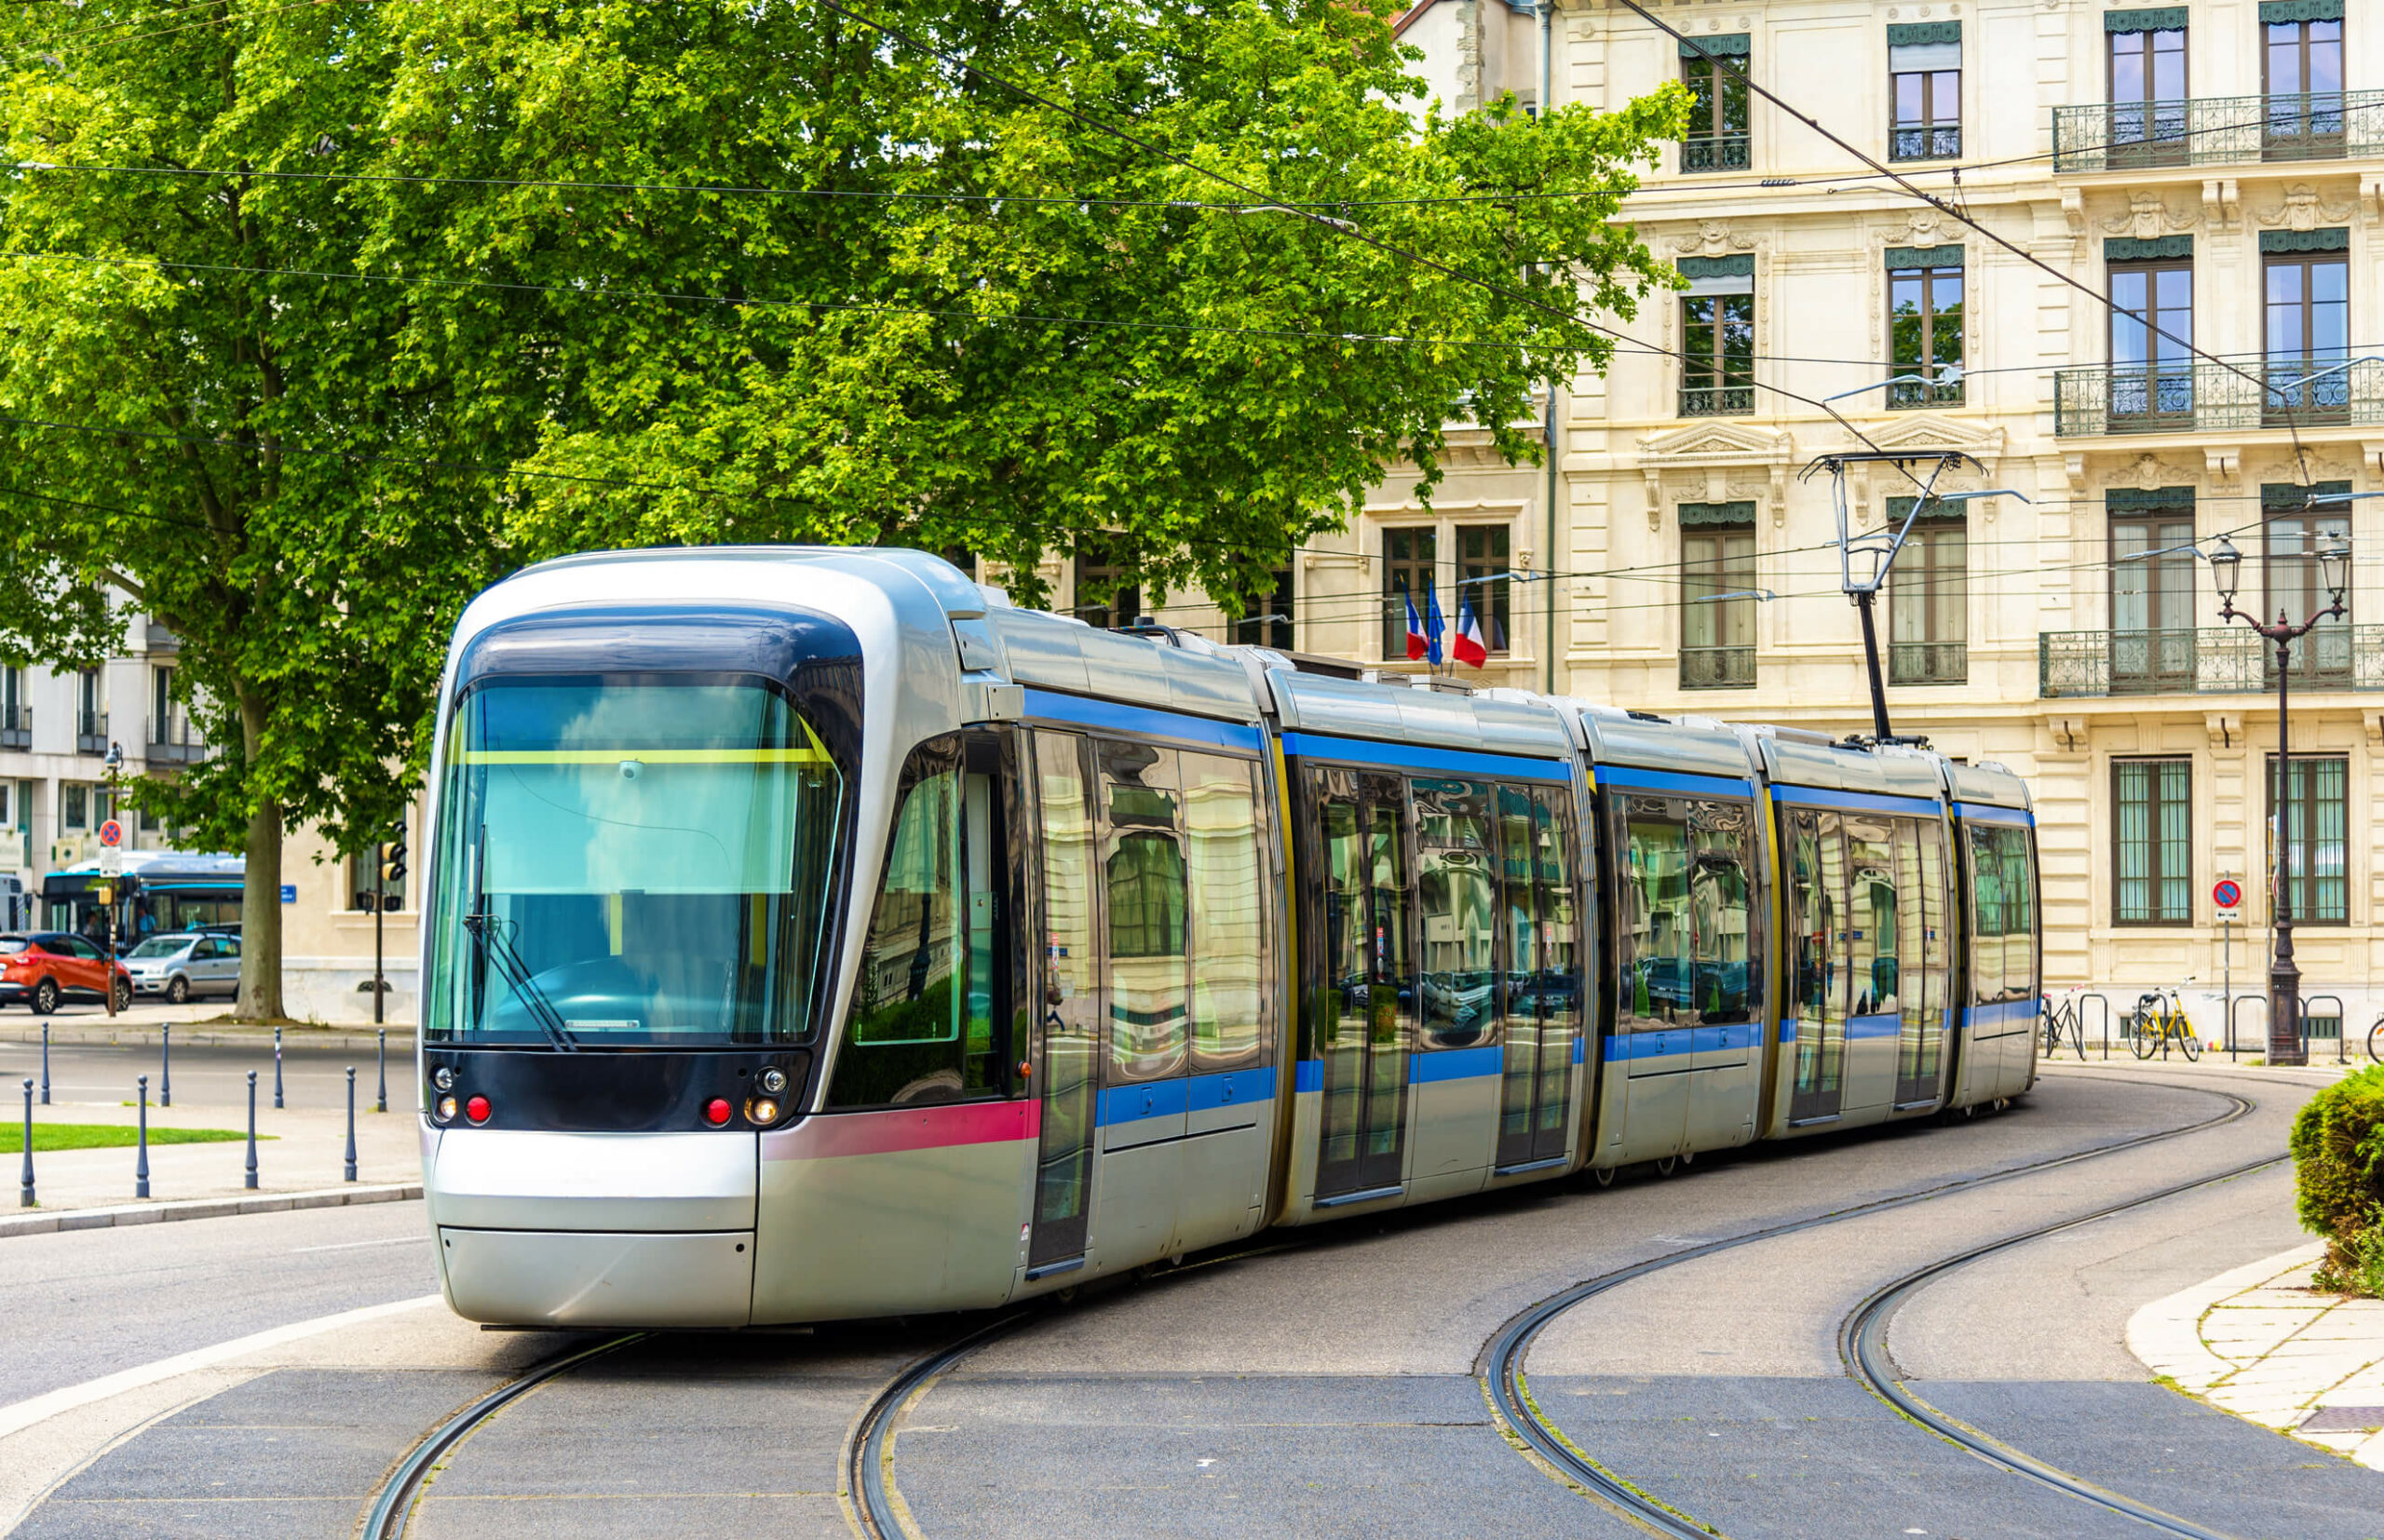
(2159, 1021)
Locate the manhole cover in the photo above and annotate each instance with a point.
(2344, 1419)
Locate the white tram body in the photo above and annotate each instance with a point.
(810, 935)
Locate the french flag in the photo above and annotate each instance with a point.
(1417, 643)
(1469, 646)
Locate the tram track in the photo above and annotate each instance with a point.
(1507, 1386)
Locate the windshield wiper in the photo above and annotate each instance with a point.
(488, 931)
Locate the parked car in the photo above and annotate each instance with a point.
(43, 967)
(184, 964)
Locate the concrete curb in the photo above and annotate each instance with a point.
(204, 1208)
(147, 1035)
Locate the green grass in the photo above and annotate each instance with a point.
(103, 1136)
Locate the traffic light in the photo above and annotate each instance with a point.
(393, 861)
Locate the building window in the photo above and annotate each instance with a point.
(1717, 139)
(1409, 558)
(2316, 868)
(1482, 563)
(1925, 325)
(16, 722)
(2152, 827)
(2152, 590)
(2152, 333)
(1104, 600)
(2292, 534)
(1929, 598)
(2147, 87)
(1267, 615)
(1925, 78)
(1717, 336)
(2302, 77)
(2306, 276)
(75, 806)
(91, 715)
(1718, 595)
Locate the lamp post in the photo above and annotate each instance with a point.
(2284, 978)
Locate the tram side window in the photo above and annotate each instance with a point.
(1937, 940)
(1230, 959)
(2004, 944)
(1809, 913)
(1657, 929)
(1560, 980)
(1455, 897)
(1871, 919)
(1146, 884)
(1726, 979)
(921, 1026)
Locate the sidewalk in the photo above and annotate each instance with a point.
(201, 1024)
(2260, 1343)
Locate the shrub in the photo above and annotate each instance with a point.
(2338, 1154)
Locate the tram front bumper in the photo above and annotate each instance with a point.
(589, 1278)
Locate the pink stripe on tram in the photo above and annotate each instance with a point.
(825, 1136)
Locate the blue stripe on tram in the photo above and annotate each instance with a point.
(1978, 812)
(2005, 1013)
(1871, 802)
(1409, 756)
(1176, 1094)
(1627, 779)
(1117, 716)
(1455, 1064)
(1307, 1076)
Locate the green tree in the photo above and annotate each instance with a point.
(383, 300)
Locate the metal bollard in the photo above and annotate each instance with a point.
(251, 1182)
(382, 1104)
(277, 1067)
(351, 1123)
(25, 1198)
(141, 1170)
(44, 1063)
(166, 1069)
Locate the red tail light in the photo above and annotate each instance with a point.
(717, 1111)
(477, 1109)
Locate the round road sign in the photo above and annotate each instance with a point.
(110, 834)
(2228, 894)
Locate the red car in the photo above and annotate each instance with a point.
(45, 968)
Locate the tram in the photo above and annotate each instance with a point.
(809, 934)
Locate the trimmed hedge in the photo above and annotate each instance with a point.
(2338, 1154)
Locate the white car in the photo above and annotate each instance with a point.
(183, 965)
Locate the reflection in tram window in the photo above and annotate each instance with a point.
(1454, 896)
(1341, 1025)
(1923, 947)
(1228, 955)
(1658, 922)
(1871, 913)
(2003, 960)
(632, 864)
(1070, 1069)
(917, 1032)
(1824, 932)
(1726, 977)
(1542, 1012)
(1145, 886)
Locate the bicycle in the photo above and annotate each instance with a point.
(2376, 1042)
(2160, 1020)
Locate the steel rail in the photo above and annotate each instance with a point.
(1507, 1387)
(391, 1511)
(867, 1458)
(1862, 1342)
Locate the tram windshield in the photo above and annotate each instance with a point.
(631, 864)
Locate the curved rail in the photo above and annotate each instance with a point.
(1862, 1342)
(866, 1456)
(1505, 1383)
(387, 1518)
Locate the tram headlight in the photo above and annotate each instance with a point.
(446, 1110)
(762, 1111)
(773, 1081)
(443, 1077)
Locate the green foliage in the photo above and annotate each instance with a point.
(105, 1136)
(778, 278)
(2338, 1146)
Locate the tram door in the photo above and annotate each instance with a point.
(1817, 899)
(1368, 1017)
(1541, 985)
(1070, 1059)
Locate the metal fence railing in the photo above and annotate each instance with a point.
(2217, 130)
(2092, 400)
(2209, 660)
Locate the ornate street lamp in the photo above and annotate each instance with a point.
(2284, 977)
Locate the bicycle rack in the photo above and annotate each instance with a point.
(2342, 1026)
(2102, 1000)
(2235, 1005)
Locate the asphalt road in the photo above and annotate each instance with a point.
(215, 1075)
(1326, 1389)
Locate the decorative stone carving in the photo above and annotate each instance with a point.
(2220, 203)
(2304, 208)
(1713, 462)
(2223, 727)
(1714, 237)
(2148, 217)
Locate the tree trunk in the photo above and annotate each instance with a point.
(261, 917)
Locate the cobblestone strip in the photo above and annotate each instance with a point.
(2260, 1343)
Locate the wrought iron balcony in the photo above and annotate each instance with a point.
(1716, 668)
(1715, 152)
(1905, 393)
(16, 727)
(1716, 400)
(2218, 130)
(1929, 662)
(174, 741)
(2095, 400)
(2212, 660)
(1925, 142)
(91, 732)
